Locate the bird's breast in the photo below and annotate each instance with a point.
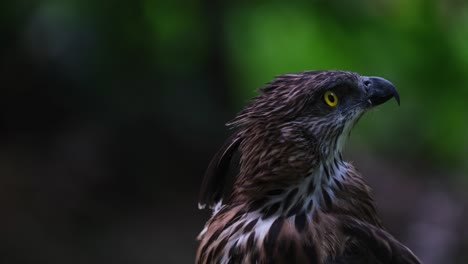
(283, 222)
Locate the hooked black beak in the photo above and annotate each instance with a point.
(379, 91)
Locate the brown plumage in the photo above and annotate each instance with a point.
(293, 199)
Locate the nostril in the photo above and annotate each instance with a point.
(367, 84)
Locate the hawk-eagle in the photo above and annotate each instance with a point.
(279, 187)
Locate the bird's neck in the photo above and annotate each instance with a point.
(300, 191)
(316, 191)
(298, 173)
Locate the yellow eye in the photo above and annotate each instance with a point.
(330, 98)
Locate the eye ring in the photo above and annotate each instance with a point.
(330, 98)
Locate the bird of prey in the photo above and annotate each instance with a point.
(279, 187)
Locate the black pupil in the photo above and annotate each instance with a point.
(331, 98)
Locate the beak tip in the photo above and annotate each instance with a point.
(397, 98)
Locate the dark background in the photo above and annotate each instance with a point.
(111, 110)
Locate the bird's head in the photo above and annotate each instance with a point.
(320, 107)
(296, 124)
